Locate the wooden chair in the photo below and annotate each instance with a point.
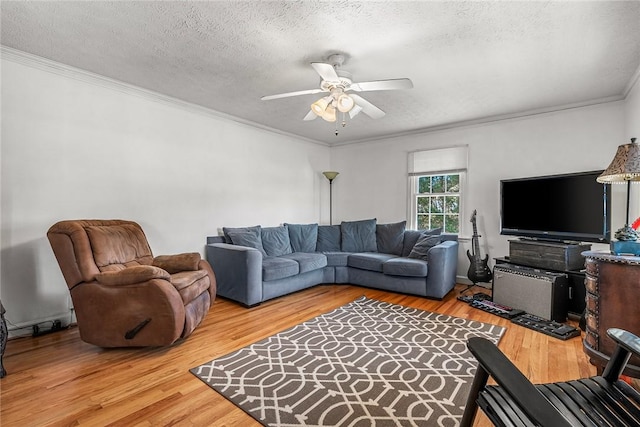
(597, 401)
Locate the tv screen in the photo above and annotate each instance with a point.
(569, 207)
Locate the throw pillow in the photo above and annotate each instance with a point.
(275, 240)
(226, 230)
(390, 237)
(412, 236)
(247, 238)
(422, 246)
(303, 237)
(359, 236)
(328, 238)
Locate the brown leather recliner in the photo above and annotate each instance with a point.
(123, 296)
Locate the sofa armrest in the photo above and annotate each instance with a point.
(177, 263)
(132, 275)
(443, 268)
(238, 272)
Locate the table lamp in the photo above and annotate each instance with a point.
(624, 168)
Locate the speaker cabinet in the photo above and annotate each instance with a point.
(541, 293)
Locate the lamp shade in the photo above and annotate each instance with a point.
(624, 167)
(320, 105)
(345, 103)
(329, 114)
(331, 175)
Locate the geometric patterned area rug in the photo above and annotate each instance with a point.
(367, 363)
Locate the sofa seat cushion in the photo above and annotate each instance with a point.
(308, 261)
(371, 261)
(408, 267)
(274, 268)
(190, 284)
(337, 259)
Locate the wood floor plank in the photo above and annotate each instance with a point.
(58, 380)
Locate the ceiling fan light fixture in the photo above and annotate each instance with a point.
(320, 106)
(345, 103)
(329, 114)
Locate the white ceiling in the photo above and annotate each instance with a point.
(469, 61)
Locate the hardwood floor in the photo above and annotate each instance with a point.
(58, 380)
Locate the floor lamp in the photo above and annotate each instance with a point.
(330, 176)
(624, 168)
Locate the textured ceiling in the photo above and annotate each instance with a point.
(468, 60)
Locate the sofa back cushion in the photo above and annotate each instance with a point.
(390, 237)
(422, 246)
(275, 240)
(250, 238)
(328, 238)
(359, 236)
(226, 230)
(412, 236)
(303, 237)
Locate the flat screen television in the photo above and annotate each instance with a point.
(568, 207)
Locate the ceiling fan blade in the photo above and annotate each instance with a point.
(354, 111)
(391, 84)
(288, 94)
(368, 108)
(310, 116)
(326, 71)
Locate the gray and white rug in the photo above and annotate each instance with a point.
(367, 363)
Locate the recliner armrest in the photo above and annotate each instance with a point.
(179, 262)
(132, 275)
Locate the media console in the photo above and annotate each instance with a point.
(553, 258)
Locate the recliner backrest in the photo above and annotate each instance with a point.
(88, 247)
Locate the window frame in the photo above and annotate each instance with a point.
(414, 195)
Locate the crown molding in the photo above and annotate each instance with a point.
(88, 77)
(489, 119)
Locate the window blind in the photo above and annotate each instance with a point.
(438, 161)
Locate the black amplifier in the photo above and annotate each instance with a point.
(541, 293)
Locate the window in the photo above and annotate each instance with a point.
(436, 180)
(438, 202)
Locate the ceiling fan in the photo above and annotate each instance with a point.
(336, 83)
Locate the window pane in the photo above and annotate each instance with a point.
(423, 222)
(437, 221)
(452, 224)
(424, 184)
(437, 204)
(452, 204)
(423, 204)
(453, 183)
(437, 184)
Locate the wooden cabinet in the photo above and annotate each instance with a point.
(613, 301)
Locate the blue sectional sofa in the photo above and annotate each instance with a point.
(255, 264)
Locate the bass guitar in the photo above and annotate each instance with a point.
(479, 271)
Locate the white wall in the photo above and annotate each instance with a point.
(84, 148)
(78, 147)
(373, 176)
(632, 127)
